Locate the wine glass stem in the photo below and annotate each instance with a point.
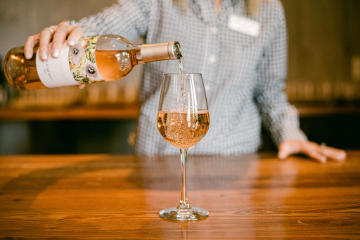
(184, 199)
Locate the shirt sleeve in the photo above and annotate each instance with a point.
(127, 18)
(278, 116)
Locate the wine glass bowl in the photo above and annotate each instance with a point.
(181, 129)
(183, 120)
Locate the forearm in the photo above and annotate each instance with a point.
(128, 18)
(278, 116)
(281, 119)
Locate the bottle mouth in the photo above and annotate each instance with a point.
(176, 50)
(160, 51)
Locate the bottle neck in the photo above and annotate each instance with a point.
(157, 52)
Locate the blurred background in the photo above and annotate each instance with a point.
(323, 83)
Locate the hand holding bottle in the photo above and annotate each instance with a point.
(64, 32)
(75, 60)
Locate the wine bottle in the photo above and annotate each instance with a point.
(92, 59)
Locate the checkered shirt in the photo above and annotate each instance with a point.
(244, 76)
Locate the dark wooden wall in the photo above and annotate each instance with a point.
(324, 49)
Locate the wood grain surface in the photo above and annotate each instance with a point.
(119, 197)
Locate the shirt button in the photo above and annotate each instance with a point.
(214, 30)
(212, 59)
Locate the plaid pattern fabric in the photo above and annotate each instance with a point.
(243, 75)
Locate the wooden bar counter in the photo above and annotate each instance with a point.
(119, 197)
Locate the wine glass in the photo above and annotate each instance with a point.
(183, 120)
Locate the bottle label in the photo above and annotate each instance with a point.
(76, 65)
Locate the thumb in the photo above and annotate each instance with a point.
(287, 148)
(283, 154)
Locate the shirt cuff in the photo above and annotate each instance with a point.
(288, 133)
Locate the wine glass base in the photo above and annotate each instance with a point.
(176, 214)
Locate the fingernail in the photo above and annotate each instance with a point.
(72, 41)
(282, 156)
(323, 159)
(44, 55)
(342, 156)
(28, 55)
(56, 53)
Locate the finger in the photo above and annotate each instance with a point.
(333, 153)
(29, 46)
(315, 153)
(287, 148)
(74, 36)
(81, 86)
(59, 39)
(284, 152)
(45, 37)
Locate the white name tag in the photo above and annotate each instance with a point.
(244, 25)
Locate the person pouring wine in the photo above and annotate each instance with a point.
(239, 46)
